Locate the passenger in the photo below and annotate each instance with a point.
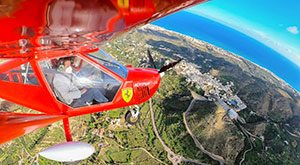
(65, 85)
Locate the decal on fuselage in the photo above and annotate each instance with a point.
(127, 94)
(142, 92)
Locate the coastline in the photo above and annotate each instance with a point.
(228, 54)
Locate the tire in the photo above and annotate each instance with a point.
(129, 119)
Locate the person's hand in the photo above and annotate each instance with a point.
(83, 90)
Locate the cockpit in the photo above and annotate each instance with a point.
(79, 82)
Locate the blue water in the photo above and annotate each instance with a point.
(233, 41)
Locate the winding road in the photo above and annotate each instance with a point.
(197, 97)
(173, 157)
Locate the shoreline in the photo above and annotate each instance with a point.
(228, 54)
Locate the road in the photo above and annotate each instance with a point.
(196, 97)
(138, 148)
(173, 157)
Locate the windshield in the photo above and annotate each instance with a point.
(109, 62)
(78, 83)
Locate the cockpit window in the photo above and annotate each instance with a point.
(109, 62)
(22, 74)
(78, 83)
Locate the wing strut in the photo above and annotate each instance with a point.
(67, 129)
(70, 151)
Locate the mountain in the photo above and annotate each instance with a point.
(273, 106)
(192, 118)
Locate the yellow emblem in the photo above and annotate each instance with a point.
(127, 94)
(123, 3)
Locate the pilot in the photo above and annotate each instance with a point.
(64, 84)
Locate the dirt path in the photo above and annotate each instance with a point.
(138, 148)
(173, 157)
(218, 158)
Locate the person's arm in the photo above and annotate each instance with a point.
(74, 92)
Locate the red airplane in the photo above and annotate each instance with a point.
(53, 63)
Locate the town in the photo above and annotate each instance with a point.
(213, 89)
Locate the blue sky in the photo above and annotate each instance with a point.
(274, 23)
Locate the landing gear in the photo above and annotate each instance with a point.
(133, 115)
(68, 151)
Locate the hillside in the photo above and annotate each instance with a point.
(196, 129)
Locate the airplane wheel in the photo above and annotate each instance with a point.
(132, 119)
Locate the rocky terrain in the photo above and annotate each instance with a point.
(194, 130)
(272, 105)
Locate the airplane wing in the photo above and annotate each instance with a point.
(31, 26)
(13, 125)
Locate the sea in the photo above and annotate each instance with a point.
(234, 41)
